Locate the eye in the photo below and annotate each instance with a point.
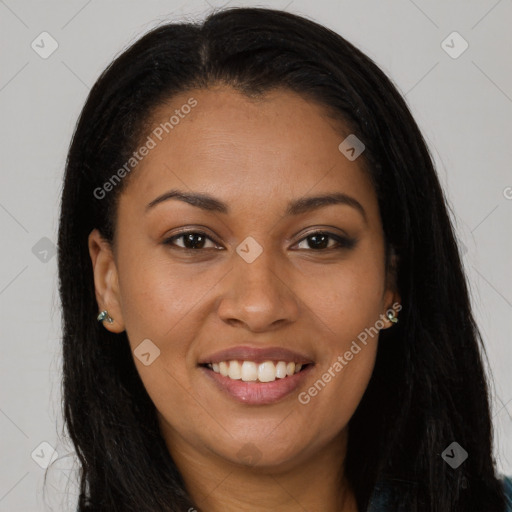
(319, 240)
(191, 240)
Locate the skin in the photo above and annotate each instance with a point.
(256, 156)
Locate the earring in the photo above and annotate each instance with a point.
(105, 316)
(391, 317)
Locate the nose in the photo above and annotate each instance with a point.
(258, 296)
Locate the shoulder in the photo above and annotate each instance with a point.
(381, 491)
(379, 497)
(507, 486)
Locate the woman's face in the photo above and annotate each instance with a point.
(254, 281)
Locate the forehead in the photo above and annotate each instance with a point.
(277, 146)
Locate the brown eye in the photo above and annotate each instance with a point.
(320, 240)
(191, 240)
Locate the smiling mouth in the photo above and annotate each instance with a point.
(250, 371)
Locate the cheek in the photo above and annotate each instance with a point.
(349, 321)
(348, 305)
(158, 304)
(157, 297)
(327, 406)
(168, 305)
(349, 298)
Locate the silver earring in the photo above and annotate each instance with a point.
(391, 317)
(105, 316)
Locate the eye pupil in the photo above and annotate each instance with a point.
(195, 240)
(320, 241)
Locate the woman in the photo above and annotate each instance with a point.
(264, 306)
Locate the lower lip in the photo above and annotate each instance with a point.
(258, 393)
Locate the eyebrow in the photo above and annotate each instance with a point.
(295, 207)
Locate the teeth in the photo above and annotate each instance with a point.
(267, 372)
(223, 369)
(235, 371)
(250, 371)
(281, 370)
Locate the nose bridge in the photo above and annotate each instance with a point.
(259, 275)
(258, 295)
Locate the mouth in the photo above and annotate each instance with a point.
(257, 376)
(251, 371)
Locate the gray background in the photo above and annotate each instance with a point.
(463, 106)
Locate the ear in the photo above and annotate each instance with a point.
(106, 280)
(392, 298)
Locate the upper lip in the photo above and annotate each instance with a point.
(258, 355)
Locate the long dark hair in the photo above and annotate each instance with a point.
(428, 388)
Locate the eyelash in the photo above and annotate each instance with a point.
(343, 242)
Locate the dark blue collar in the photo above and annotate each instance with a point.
(379, 499)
